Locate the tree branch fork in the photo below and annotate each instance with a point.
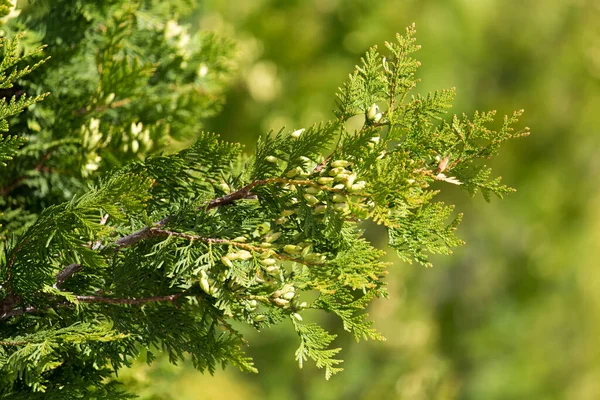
(9, 306)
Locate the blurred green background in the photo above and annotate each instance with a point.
(515, 314)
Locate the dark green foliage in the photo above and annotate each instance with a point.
(112, 246)
(121, 107)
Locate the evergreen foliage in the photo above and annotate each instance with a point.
(109, 245)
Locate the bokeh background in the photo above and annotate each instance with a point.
(515, 314)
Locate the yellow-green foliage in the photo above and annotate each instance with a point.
(124, 247)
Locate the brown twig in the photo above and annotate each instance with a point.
(13, 343)
(11, 313)
(109, 300)
(237, 195)
(322, 164)
(102, 108)
(66, 273)
(98, 299)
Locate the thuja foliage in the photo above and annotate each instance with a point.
(110, 246)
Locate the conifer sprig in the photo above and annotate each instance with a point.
(9, 73)
(168, 251)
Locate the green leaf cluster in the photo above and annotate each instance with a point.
(113, 246)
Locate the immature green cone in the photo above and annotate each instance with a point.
(372, 112)
(297, 317)
(271, 237)
(272, 270)
(292, 249)
(313, 190)
(227, 261)
(288, 295)
(286, 289)
(281, 302)
(358, 186)
(314, 258)
(340, 163)
(350, 180)
(310, 199)
(296, 134)
(259, 318)
(268, 261)
(343, 177)
(324, 180)
(244, 255)
(287, 213)
(340, 206)
(204, 284)
(267, 253)
(337, 171)
(293, 172)
(321, 209)
(338, 198)
(252, 304)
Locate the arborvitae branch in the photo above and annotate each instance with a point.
(205, 236)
